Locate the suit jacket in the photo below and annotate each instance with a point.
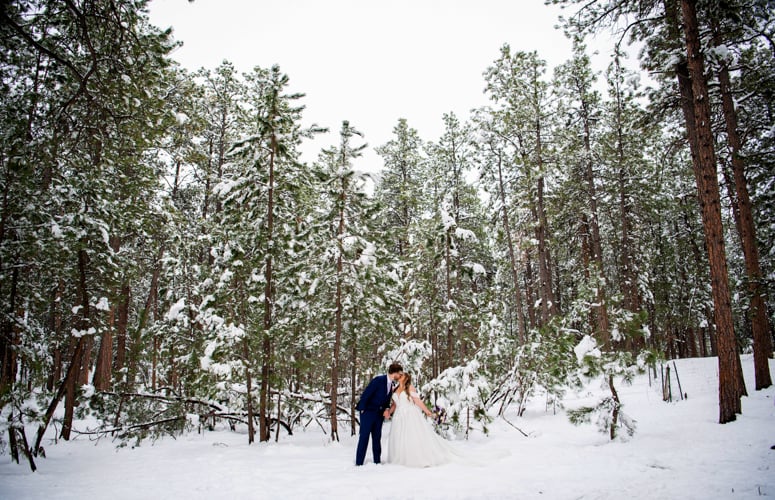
(376, 396)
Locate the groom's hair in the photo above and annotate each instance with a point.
(395, 368)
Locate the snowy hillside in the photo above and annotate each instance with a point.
(678, 451)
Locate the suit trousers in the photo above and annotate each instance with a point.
(371, 427)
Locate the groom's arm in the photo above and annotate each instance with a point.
(367, 394)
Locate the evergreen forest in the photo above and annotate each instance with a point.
(168, 261)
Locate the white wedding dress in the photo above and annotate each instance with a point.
(412, 440)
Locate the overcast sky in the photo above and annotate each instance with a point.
(370, 62)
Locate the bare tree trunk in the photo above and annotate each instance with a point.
(630, 284)
(8, 341)
(121, 326)
(249, 388)
(529, 284)
(263, 405)
(760, 324)
(75, 365)
(434, 333)
(71, 374)
(102, 370)
(353, 374)
(586, 260)
(337, 318)
(56, 328)
(594, 227)
(708, 193)
(548, 306)
(522, 327)
(448, 283)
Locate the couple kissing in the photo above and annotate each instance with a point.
(412, 441)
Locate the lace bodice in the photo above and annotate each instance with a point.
(400, 398)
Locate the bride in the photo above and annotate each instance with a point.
(412, 440)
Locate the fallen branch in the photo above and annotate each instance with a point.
(125, 429)
(304, 397)
(168, 399)
(520, 430)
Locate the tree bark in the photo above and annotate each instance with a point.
(760, 324)
(353, 373)
(548, 306)
(448, 284)
(616, 408)
(266, 345)
(603, 325)
(522, 327)
(8, 341)
(630, 285)
(121, 326)
(337, 315)
(102, 370)
(708, 193)
(104, 365)
(529, 284)
(249, 390)
(69, 384)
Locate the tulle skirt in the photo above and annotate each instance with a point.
(413, 442)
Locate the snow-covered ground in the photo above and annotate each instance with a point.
(678, 452)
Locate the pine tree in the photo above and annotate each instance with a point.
(581, 106)
(399, 192)
(344, 191)
(515, 82)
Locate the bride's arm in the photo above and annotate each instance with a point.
(390, 411)
(418, 401)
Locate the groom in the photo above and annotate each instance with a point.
(373, 407)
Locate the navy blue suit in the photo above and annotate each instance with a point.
(374, 401)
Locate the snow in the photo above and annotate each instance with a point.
(678, 451)
(56, 231)
(465, 234)
(586, 347)
(80, 333)
(176, 309)
(103, 304)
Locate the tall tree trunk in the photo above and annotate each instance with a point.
(103, 367)
(629, 279)
(337, 317)
(266, 345)
(121, 326)
(9, 341)
(512, 256)
(249, 389)
(529, 284)
(72, 378)
(594, 233)
(148, 309)
(70, 375)
(102, 370)
(353, 374)
(586, 260)
(546, 290)
(760, 325)
(708, 193)
(448, 283)
(548, 305)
